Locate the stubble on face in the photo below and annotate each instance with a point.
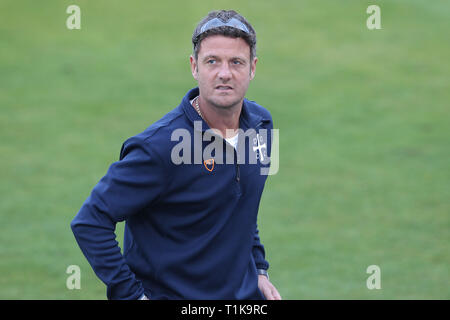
(223, 70)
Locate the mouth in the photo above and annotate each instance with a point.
(224, 87)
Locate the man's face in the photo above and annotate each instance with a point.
(223, 70)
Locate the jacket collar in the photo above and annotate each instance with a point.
(247, 118)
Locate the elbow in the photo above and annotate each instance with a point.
(74, 225)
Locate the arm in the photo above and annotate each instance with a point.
(259, 252)
(264, 285)
(130, 185)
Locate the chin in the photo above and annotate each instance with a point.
(225, 102)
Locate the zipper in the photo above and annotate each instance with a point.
(238, 173)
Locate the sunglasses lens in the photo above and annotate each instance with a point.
(216, 22)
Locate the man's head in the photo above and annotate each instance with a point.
(226, 23)
(224, 57)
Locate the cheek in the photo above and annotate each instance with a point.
(245, 78)
(205, 78)
(204, 83)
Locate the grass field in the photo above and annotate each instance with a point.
(364, 120)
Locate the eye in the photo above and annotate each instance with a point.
(237, 62)
(211, 61)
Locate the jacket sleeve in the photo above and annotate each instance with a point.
(258, 249)
(259, 252)
(130, 185)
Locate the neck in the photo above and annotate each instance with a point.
(224, 121)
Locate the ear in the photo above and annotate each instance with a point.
(194, 67)
(253, 68)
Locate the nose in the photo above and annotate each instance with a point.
(225, 72)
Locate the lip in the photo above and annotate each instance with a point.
(224, 87)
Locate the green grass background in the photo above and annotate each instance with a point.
(364, 135)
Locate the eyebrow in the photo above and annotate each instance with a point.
(209, 57)
(218, 58)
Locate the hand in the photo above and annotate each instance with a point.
(267, 288)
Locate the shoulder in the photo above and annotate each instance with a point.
(258, 114)
(156, 139)
(257, 110)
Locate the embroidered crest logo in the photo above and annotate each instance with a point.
(258, 141)
(209, 164)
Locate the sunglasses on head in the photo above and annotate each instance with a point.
(216, 22)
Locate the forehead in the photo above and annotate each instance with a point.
(222, 46)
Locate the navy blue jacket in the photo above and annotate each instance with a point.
(191, 229)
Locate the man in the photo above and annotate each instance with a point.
(190, 229)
